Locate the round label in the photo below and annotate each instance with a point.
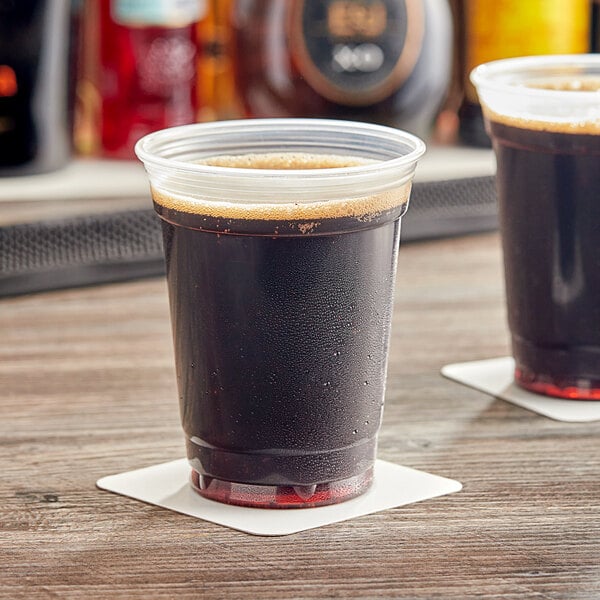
(356, 52)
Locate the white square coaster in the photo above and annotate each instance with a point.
(167, 485)
(496, 377)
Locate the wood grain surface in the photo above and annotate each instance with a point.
(88, 389)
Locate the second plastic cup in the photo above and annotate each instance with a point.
(281, 241)
(543, 114)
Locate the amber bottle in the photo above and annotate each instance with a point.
(495, 29)
(217, 93)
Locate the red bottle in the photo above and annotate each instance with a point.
(138, 71)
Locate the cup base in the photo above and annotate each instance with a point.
(281, 496)
(565, 388)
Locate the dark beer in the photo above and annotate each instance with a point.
(281, 320)
(549, 190)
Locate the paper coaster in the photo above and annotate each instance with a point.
(167, 485)
(496, 377)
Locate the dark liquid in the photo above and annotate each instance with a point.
(281, 346)
(549, 190)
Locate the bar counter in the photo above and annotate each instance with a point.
(88, 390)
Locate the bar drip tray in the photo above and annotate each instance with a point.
(453, 194)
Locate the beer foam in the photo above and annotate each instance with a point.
(566, 84)
(559, 84)
(572, 127)
(285, 161)
(361, 208)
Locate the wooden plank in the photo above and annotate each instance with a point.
(88, 389)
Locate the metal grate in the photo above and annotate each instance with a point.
(115, 247)
(452, 207)
(79, 251)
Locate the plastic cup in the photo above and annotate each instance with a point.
(543, 115)
(281, 240)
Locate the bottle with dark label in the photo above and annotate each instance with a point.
(386, 61)
(35, 124)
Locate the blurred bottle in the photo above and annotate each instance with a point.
(138, 71)
(495, 29)
(217, 93)
(386, 61)
(35, 124)
(595, 27)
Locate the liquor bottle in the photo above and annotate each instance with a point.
(138, 71)
(595, 27)
(495, 29)
(386, 61)
(35, 124)
(217, 93)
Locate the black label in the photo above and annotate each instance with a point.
(356, 52)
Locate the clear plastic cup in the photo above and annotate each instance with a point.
(281, 240)
(543, 115)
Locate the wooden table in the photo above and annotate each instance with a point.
(88, 389)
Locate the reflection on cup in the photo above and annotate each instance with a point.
(281, 241)
(543, 114)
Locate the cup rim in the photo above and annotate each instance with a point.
(487, 74)
(143, 147)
